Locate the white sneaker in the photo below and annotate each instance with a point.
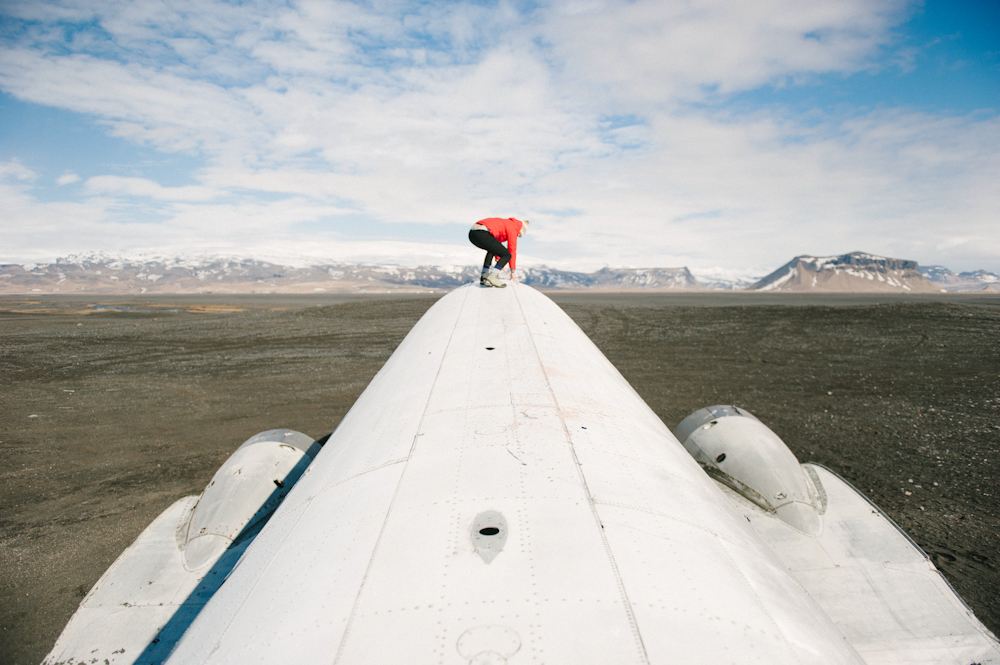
(492, 280)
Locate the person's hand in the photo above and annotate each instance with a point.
(513, 278)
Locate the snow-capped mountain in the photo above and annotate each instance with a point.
(977, 280)
(727, 279)
(138, 274)
(121, 274)
(848, 273)
(627, 279)
(101, 273)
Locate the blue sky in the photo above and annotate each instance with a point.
(718, 134)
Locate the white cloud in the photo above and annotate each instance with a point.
(36, 230)
(67, 179)
(15, 171)
(670, 51)
(603, 121)
(152, 107)
(119, 186)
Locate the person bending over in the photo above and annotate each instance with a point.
(489, 234)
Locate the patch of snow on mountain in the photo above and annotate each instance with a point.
(777, 284)
(857, 271)
(727, 279)
(975, 280)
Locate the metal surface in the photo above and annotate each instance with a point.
(706, 415)
(489, 534)
(877, 586)
(244, 491)
(150, 595)
(619, 548)
(742, 452)
(869, 577)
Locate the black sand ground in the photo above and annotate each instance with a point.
(108, 417)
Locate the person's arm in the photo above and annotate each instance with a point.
(512, 246)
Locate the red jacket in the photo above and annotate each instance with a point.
(505, 230)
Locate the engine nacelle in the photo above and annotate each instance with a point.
(738, 450)
(244, 492)
(149, 596)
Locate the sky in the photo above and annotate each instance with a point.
(723, 135)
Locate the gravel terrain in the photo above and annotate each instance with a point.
(109, 415)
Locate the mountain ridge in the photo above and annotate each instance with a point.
(147, 272)
(855, 272)
(963, 282)
(110, 274)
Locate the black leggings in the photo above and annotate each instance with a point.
(484, 240)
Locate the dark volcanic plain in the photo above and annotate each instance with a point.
(109, 413)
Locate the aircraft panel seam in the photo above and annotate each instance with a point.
(648, 511)
(493, 405)
(765, 611)
(395, 494)
(354, 476)
(256, 582)
(590, 500)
